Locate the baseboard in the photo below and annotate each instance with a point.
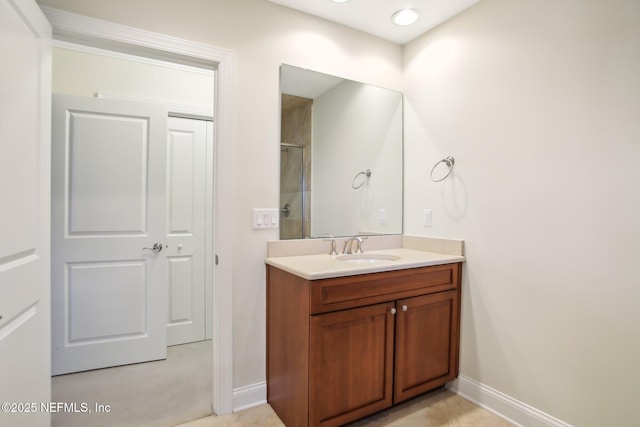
(505, 406)
(249, 396)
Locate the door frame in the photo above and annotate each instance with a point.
(84, 30)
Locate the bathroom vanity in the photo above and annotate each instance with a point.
(351, 336)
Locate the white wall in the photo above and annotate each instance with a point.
(88, 71)
(539, 103)
(355, 128)
(263, 36)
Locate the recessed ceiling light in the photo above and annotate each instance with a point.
(340, 1)
(405, 17)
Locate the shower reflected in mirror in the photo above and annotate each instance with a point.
(292, 192)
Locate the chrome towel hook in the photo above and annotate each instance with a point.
(367, 174)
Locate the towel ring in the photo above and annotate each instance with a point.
(449, 161)
(367, 173)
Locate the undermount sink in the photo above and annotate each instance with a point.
(367, 258)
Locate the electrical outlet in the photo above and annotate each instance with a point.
(427, 218)
(383, 216)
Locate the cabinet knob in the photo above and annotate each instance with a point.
(393, 310)
(404, 308)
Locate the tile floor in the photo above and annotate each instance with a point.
(440, 408)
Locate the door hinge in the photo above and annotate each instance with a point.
(216, 259)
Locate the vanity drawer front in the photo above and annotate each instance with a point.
(353, 291)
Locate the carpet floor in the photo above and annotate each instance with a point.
(161, 393)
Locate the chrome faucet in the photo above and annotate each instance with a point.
(333, 247)
(333, 244)
(348, 245)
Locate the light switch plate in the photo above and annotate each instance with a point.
(265, 218)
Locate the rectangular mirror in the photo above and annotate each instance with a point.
(340, 157)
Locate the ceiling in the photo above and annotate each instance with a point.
(374, 16)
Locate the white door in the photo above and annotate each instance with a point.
(25, 111)
(109, 268)
(187, 142)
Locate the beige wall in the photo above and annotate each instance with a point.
(262, 35)
(539, 103)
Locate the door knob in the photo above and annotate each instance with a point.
(157, 247)
(404, 308)
(393, 311)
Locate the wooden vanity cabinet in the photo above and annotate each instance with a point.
(343, 348)
(350, 364)
(427, 341)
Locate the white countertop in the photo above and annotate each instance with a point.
(323, 266)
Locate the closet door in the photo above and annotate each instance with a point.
(187, 141)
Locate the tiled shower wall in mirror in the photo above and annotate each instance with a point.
(295, 167)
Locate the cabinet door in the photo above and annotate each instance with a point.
(426, 343)
(351, 362)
